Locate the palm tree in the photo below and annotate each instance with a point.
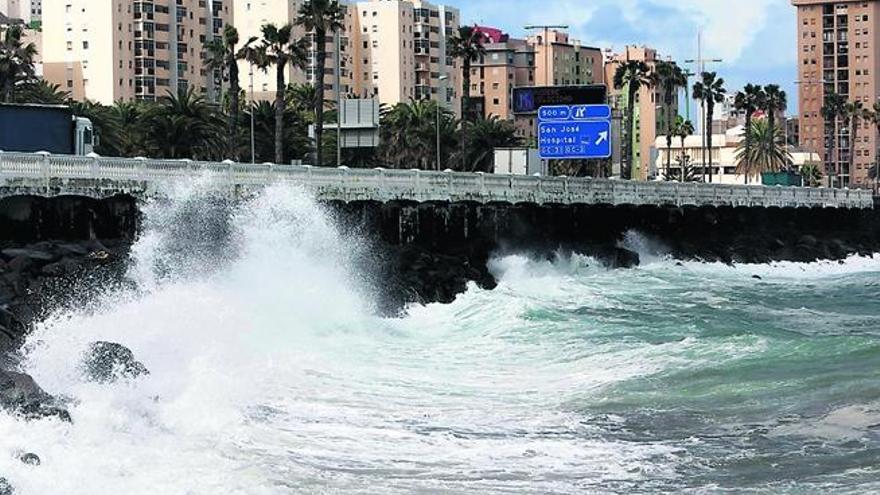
(832, 110)
(632, 75)
(296, 141)
(682, 128)
(670, 78)
(710, 90)
(484, 135)
(303, 98)
(278, 48)
(874, 118)
(408, 134)
(126, 136)
(467, 45)
(765, 153)
(320, 17)
(775, 100)
(16, 62)
(811, 174)
(182, 126)
(222, 55)
(41, 91)
(748, 101)
(854, 112)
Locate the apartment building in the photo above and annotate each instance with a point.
(109, 50)
(29, 11)
(651, 112)
(838, 52)
(402, 52)
(561, 61)
(392, 50)
(508, 63)
(251, 16)
(534, 61)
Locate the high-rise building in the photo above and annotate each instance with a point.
(250, 17)
(508, 63)
(109, 50)
(402, 52)
(392, 50)
(561, 61)
(837, 53)
(651, 112)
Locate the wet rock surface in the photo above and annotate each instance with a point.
(107, 362)
(38, 277)
(20, 394)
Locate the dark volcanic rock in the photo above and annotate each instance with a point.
(5, 487)
(31, 254)
(20, 394)
(30, 459)
(107, 362)
(622, 258)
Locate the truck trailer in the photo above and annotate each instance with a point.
(30, 128)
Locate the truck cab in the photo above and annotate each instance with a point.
(84, 136)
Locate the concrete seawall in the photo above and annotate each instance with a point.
(425, 252)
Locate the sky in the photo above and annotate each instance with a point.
(756, 39)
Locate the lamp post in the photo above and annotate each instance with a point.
(700, 63)
(442, 94)
(337, 82)
(253, 144)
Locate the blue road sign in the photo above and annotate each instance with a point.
(574, 132)
(574, 140)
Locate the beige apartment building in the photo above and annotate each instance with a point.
(561, 61)
(392, 50)
(510, 63)
(838, 47)
(109, 50)
(401, 52)
(251, 16)
(650, 113)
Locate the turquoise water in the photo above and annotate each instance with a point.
(270, 373)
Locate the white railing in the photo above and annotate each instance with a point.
(50, 175)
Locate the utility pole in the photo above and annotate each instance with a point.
(700, 64)
(547, 47)
(338, 85)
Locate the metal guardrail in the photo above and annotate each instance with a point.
(52, 175)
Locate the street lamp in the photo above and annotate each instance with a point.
(253, 144)
(442, 94)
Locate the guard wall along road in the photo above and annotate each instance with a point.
(47, 175)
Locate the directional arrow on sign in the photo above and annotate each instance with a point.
(603, 136)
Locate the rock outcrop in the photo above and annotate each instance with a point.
(36, 277)
(20, 394)
(107, 362)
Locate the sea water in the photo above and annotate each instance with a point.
(271, 373)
